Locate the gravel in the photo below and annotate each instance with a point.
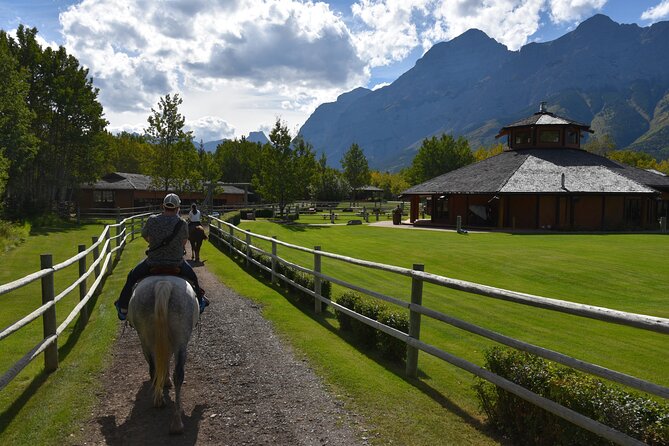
(244, 386)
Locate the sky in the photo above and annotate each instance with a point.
(239, 65)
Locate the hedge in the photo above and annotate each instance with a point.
(637, 416)
(391, 347)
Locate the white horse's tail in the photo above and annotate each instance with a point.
(163, 290)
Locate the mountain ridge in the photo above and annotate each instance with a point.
(614, 77)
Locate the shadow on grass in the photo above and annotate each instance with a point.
(326, 318)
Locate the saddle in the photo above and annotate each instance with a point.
(165, 271)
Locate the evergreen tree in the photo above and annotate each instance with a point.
(356, 168)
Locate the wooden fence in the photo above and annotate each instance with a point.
(113, 213)
(103, 256)
(238, 241)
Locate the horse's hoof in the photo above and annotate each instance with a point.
(176, 425)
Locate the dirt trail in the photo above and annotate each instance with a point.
(244, 386)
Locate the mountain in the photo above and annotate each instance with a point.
(612, 76)
(259, 137)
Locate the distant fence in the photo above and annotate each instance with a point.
(238, 241)
(103, 254)
(113, 213)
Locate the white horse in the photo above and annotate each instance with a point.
(164, 311)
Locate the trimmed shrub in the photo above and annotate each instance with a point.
(234, 217)
(264, 213)
(524, 423)
(364, 333)
(349, 300)
(391, 347)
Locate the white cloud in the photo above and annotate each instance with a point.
(210, 128)
(657, 12)
(267, 55)
(573, 10)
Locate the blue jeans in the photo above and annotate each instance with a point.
(143, 270)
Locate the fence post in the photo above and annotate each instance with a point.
(108, 250)
(49, 316)
(663, 224)
(317, 280)
(118, 232)
(82, 285)
(231, 239)
(414, 322)
(96, 254)
(248, 249)
(132, 229)
(458, 223)
(274, 280)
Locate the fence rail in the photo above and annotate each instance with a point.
(242, 245)
(103, 256)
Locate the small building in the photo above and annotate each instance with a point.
(127, 190)
(544, 180)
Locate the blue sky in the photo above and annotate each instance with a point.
(241, 64)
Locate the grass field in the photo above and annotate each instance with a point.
(621, 271)
(625, 272)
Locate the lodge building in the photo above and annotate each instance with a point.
(544, 180)
(127, 190)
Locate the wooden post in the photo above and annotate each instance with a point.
(132, 229)
(231, 237)
(49, 316)
(317, 280)
(118, 232)
(274, 279)
(414, 322)
(663, 224)
(248, 249)
(82, 285)
(458, 223)
(96, 254)
(106, 251)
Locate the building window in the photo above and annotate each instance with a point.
(572, 137)
(103, 196)
(549, 136)
(521, 137)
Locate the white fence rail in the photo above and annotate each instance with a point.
(103, 253)
(238, 241)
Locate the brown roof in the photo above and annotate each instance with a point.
(137, 181)
(543, 118)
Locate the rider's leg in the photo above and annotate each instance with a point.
(188, 273)
(138, 272)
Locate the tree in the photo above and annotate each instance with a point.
(17, 143)
(600, 146)
(173, 155)
(329, 184)
(67, 121)
(286, 170)
(483, 152)
(641, 160)
(392, 183)
(237, 160)
(126, 152)
(436, 156)
(356, 168)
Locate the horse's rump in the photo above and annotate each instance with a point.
(164, 311)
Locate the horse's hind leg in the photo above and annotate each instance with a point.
(176, 425)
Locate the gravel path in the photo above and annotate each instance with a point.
(244, 386)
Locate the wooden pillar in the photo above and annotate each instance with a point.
(49, 316)
(414, 209)
(501, 208)
(317, 280)
(82, 285)
(414, 322)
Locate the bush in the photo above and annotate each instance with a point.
(349, 300)
(525, 423)
(264, 213)
(364, 333)
(391, 347)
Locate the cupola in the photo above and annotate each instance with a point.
(544, 130)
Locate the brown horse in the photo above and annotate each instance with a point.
(196, 236)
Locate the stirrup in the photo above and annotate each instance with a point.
(121, 315)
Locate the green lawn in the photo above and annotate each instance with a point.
(623, 271)
(36, 408)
